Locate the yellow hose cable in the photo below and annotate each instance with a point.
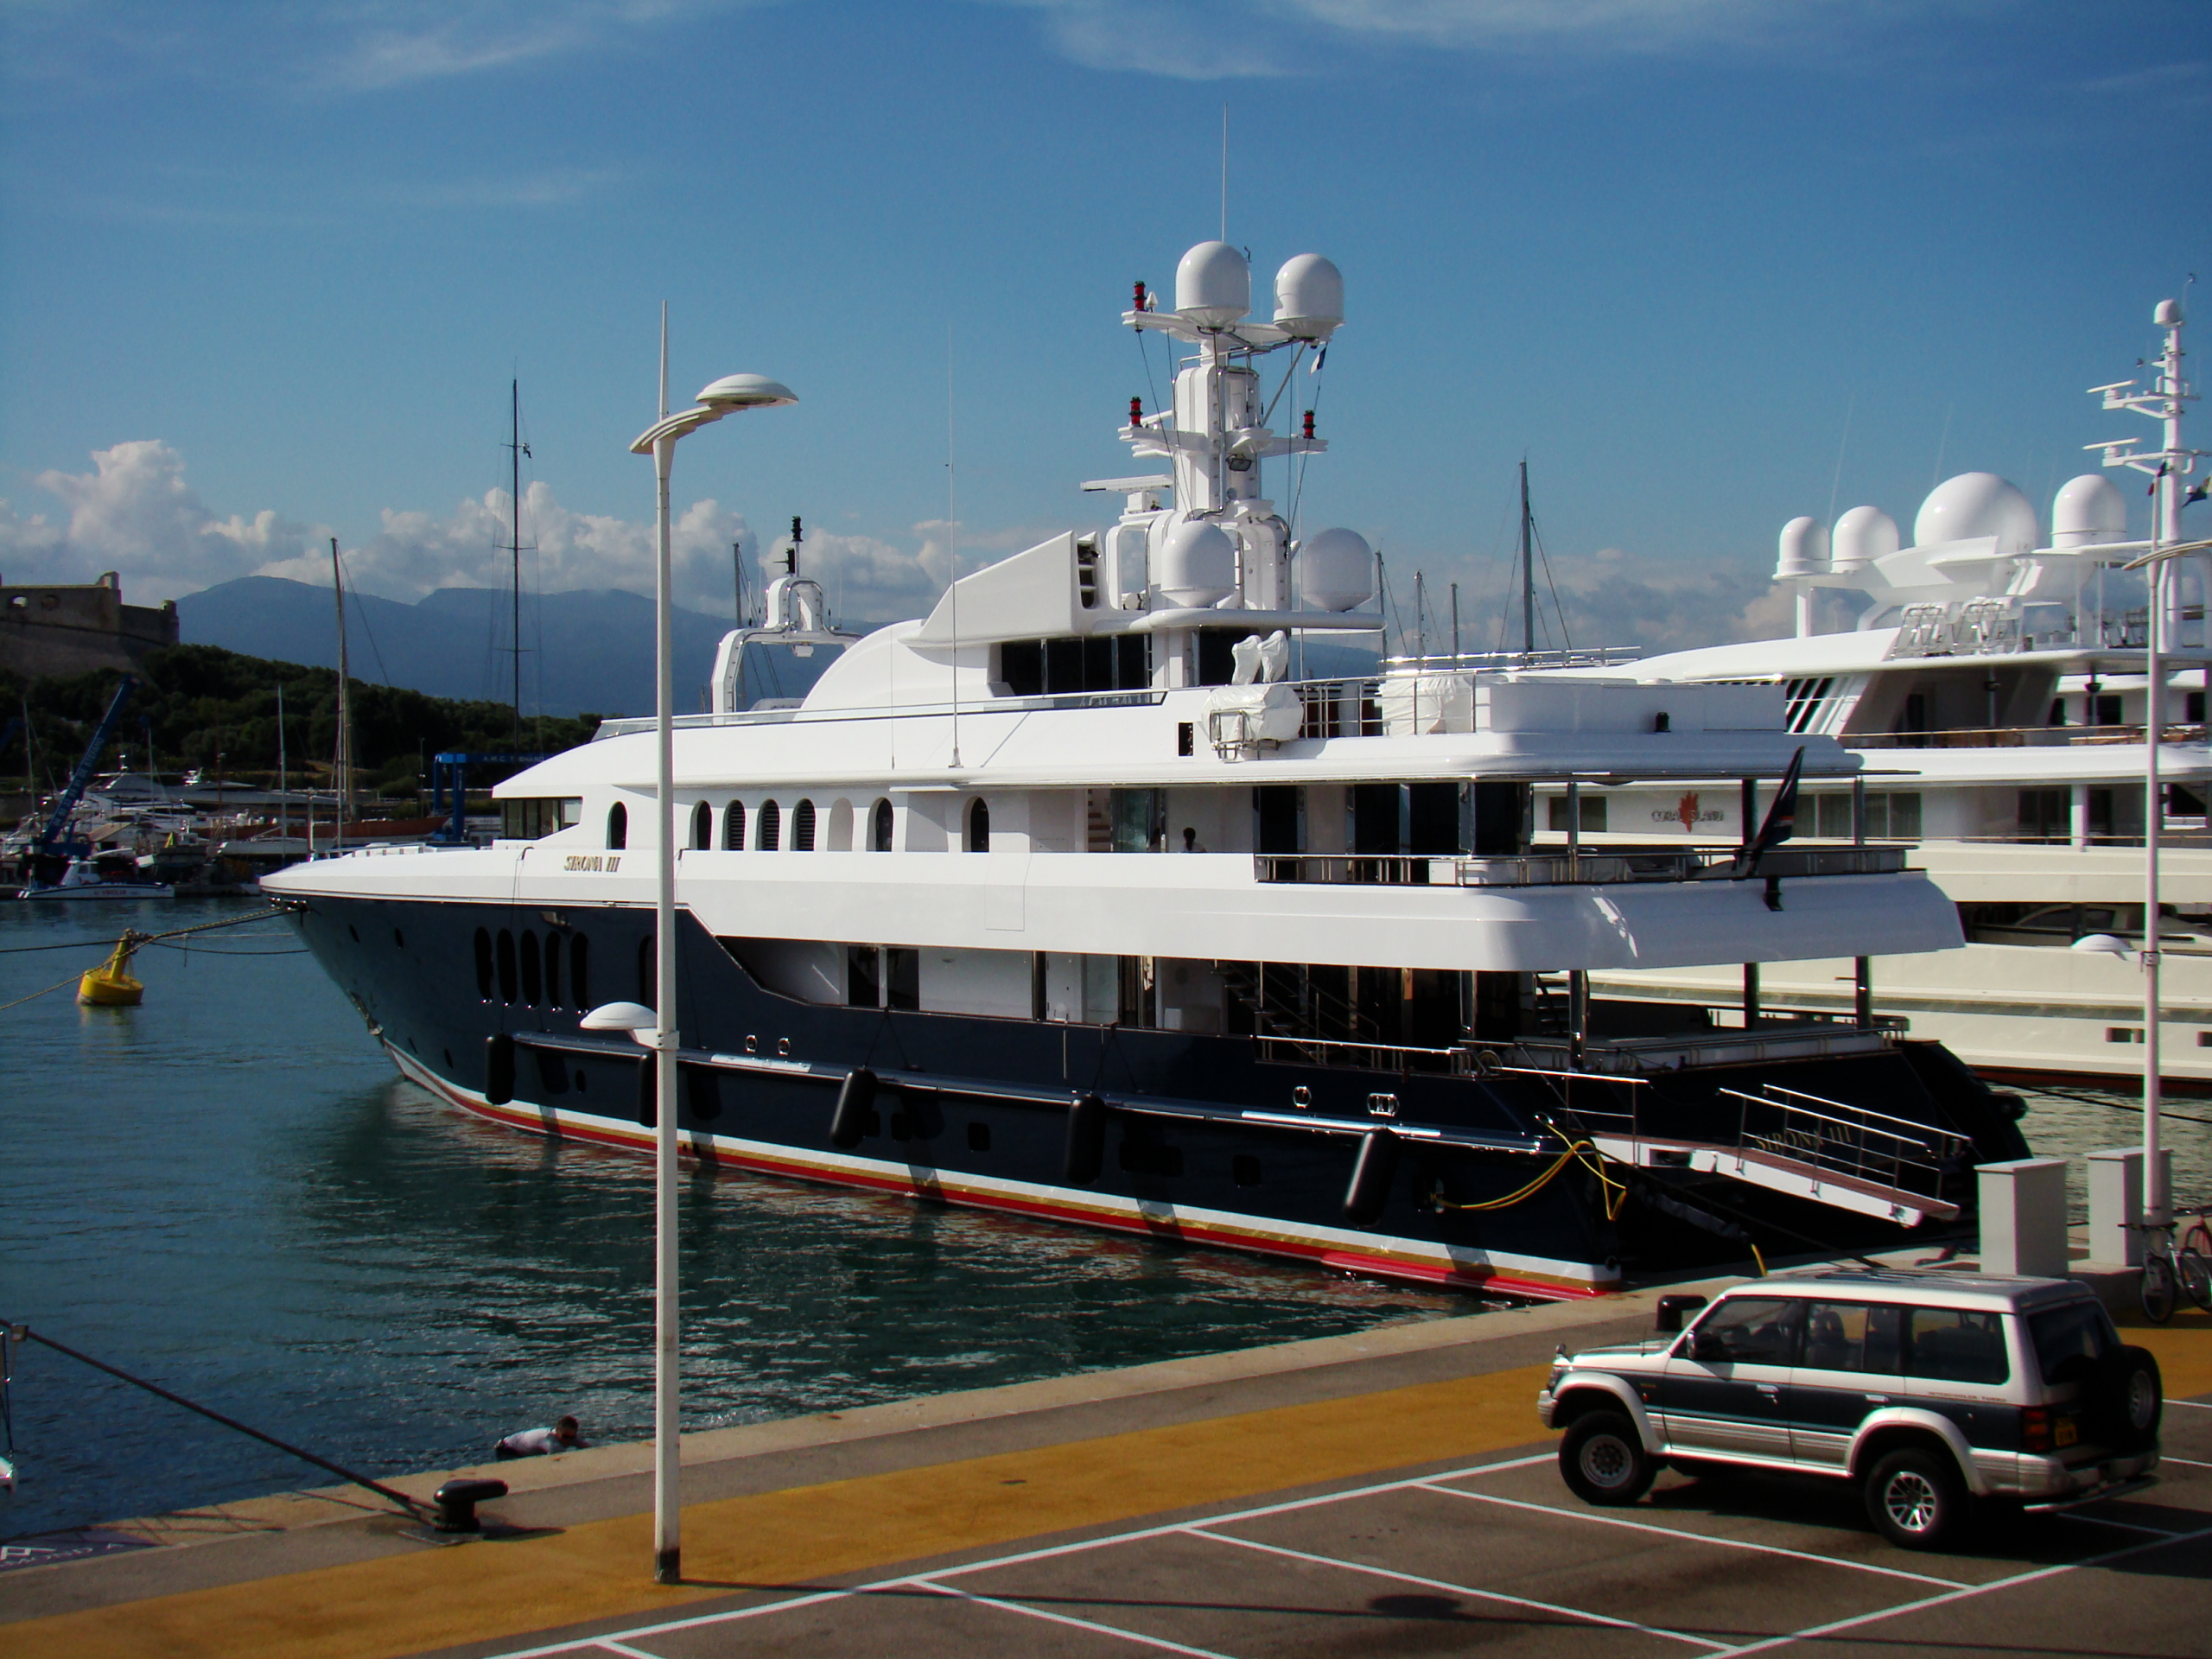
(48, 991)
(1758, 1260)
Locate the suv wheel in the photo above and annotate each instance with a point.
(2128, 1400)
(1602, 1461)
(1916, 1500)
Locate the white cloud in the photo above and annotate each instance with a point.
(1244, 38)
(1612, 598)
(135, 514)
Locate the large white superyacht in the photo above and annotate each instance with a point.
(1072, 900)
(1993, 682)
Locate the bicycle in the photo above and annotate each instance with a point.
(2166, 1265)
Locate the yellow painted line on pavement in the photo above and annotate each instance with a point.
(511, 1588)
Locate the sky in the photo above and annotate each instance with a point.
(267, 270)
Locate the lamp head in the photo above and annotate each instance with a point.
(641, 1022)
(2106, 944)
(736, 392)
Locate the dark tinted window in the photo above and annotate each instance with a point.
(903, 970)
(1752, 1329)
(1949, 1345)
(979, 825)
(483, 964)
(862, 989)
(618, 825)
(579, 970)
(1851, 1336)
(531, 986)
(552, 971)
(2077, 1331)
(507, 966)
(702, 826)
(880, 840)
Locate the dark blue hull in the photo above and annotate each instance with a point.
(1191, 1137)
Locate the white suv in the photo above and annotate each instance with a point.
(1932, 1390)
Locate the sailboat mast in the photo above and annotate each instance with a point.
(1527, 573)
(514, 537)
(345, 708)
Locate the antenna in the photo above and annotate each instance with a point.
(1527, 573)
(952, 558)
(737, 562)
(790, 553)
(1224, 172)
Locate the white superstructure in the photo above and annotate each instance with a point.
(1993, 682)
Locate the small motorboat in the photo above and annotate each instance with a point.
(87, 878)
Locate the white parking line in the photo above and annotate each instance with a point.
(2186, 1463)
(664, 1627)
(2194, 1405)
(1965, 1594)
(1579, 1615)
(1690, 1537)
(1161, 1641)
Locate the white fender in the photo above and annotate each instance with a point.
(1606, 1383)
(1933, 1423)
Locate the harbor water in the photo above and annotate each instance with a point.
(228, 1191)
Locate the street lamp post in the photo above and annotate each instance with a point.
(2168, 465)
(656, 1027)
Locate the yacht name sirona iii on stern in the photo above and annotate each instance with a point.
(930, 940)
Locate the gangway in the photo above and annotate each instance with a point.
(1826, 1151)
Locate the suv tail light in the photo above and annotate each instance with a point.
(2035, 1428)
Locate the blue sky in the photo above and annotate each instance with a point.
(275, 263)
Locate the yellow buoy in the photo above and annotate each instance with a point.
(111, 985)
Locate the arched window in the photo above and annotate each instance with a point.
(769, 820)
(552, 971)
(532, 986)
(802, 827)
(879, 833)
(618, 825)
(580, 971)
(483, 964)
(702, 826)
(979, 825)
(733, 827)
(507, 966)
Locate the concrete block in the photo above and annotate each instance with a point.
(2115, 1199)
(2024, 1217)
(2121, 1289)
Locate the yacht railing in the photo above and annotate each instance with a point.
(1612, 866)
(2018, 737)
(1845, 1140)
(1494, 662)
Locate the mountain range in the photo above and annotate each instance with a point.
(590, 651)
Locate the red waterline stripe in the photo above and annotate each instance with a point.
(1371, 1265)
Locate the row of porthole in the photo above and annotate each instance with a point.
(527, 972)
(767, 831)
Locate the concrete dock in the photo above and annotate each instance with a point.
(1388, 1492)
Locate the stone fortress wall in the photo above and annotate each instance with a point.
(63, 629)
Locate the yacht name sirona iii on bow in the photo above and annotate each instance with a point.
(933, 941)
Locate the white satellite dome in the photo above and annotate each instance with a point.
(1336, 571)
(1975, 505)
(2088, 511)
(1860, 537)
(1198, 565)
(1213, 285)
(1309, 297)
(1804, 550)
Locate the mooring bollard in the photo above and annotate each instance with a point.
(457, 1501)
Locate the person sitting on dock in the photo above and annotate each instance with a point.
(563, 1436)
